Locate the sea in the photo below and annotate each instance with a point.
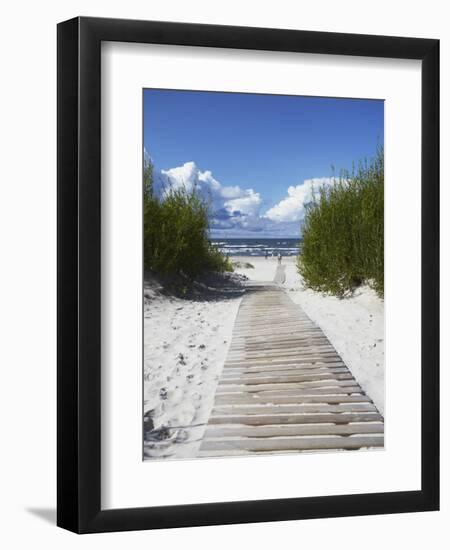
(258, 247)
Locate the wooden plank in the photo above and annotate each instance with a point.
(251, 399)
(295, 345)
(293, 443)
(296, 408)
(289, 317)
(293, 430)
(283, 385)
(303, 343)
(298, 325)
(279, 315)
(324, 358)
(274, 331)
(294, 349)
(257, 336)
(329, 390)
(285, 366)
(241, 346)
(266, 419)
(262, 378)
(337, 390)
(271, 371)
(283, 359)
(307, 346)
(273, 335)
(265, 321)
(332, 362)
(280, 361)
(240, 453)
(280, 352)
(252, 330)
(285, 335)
(275, 339)
(246, 334)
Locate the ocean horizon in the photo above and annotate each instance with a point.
(245, 246)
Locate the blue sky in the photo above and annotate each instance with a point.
(265, 144)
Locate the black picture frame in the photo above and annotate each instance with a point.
(79, 281)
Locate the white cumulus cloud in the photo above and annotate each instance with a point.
(248, 203)
(232, 199)
(292, 208)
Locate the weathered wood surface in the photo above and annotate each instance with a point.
(284, 388)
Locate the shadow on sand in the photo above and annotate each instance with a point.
(208, 287)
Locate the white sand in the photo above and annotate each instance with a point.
(185, 346)
(355, 326)
(263, 270)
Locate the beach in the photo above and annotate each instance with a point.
(186, 342)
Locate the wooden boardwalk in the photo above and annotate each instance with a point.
(284, 387)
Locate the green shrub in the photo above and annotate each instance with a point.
(343, 232)
(176, 233)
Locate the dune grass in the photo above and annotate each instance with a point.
(343, 232)
(176, 233)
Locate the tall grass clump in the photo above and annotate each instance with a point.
(176, 233)
(343, 232)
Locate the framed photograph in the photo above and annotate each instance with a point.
(248, 275)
